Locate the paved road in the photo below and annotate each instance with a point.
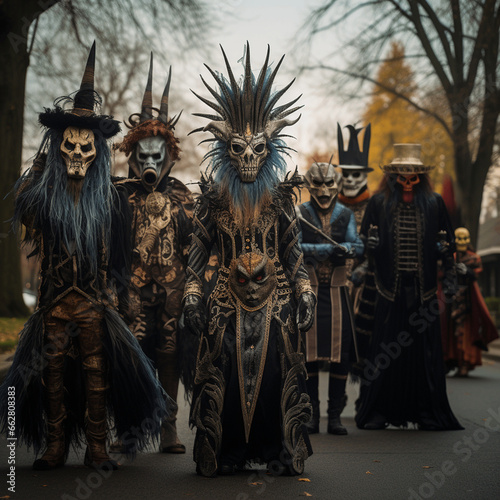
(385, 465)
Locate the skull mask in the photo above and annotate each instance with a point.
(78, 151)
(462, 239)
(408, 181)
(247, 154)
(151, 155)
(322, 185)
(252, 278)
(353, 181)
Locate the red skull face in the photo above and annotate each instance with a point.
(408, 181)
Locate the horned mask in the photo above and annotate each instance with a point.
(248, 119)
(322, 185)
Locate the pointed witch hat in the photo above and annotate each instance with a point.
(83, 114)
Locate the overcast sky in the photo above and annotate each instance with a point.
(260, 22)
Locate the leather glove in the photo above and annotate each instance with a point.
(340, 250)
(305, 311)
(194, 314)
(358, 275)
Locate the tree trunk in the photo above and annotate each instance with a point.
(15, 18)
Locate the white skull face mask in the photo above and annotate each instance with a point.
(353, 181)
(78, 151)
(151, 155)
(247, 154)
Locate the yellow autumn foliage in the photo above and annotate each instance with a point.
(395, 120)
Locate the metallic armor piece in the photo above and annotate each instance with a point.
(78, 151)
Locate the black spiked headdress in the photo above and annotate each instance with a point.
(247, 108)
(147, 104)
(84, 102)
(353, 158)
(146, 124)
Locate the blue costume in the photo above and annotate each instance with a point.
(331, 338)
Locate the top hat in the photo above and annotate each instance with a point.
(353, 158)
(407, 161)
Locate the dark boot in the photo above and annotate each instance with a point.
(56, 451)
(312, 388)
(96, 426)
(335, 407)
(337, 400)
(169, 379)
(55, 454)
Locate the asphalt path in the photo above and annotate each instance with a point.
(385, 465)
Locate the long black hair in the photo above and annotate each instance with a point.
(86, 222)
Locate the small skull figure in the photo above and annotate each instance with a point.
(322, 185)
(247, 154)
(151, 155)
(78, 151)
(462, 239)
(252, 279)
(353, 181)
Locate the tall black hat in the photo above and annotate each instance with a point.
(353, 158)
(83, 114)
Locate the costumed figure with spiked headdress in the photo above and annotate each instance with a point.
(403, 380)
(161, 229)
(328, 237)
(250, 401)
(77, 363)
(469, 328)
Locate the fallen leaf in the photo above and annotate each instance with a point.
(304, 479)
(368, 472)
